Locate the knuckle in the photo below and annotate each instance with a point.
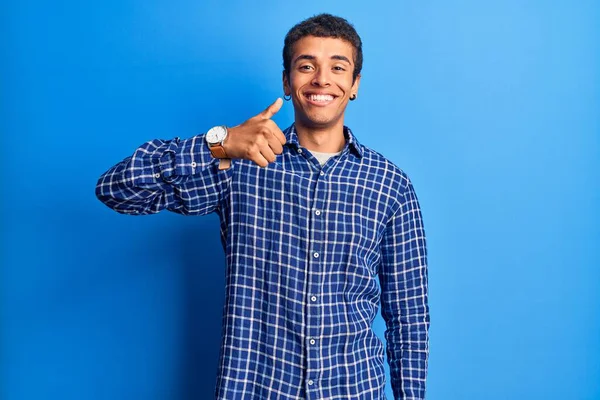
(264, 129)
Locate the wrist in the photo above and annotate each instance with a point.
(226, 142)
(215, 137)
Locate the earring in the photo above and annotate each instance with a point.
(353, 97)
(287, 97)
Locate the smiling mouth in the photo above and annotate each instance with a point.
(319, 99)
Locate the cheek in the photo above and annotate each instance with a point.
(349, 84)
(296, 79)
(298, 84)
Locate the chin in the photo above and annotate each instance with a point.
(318, 122)
(320, 119)
(317, 119)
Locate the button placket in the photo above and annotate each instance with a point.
(317, 257)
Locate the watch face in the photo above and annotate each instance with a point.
(216, 134)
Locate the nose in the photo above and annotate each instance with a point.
(320, 78)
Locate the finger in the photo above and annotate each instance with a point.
(259, 159)
(268, 154)
(274, 144)
(272, 109)
(277, 133)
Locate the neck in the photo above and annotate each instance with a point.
(325, 140)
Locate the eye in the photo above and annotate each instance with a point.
(305, 67)
(339, 68)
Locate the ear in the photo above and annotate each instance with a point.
(286, 84)
(356, 84)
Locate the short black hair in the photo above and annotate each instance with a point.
(323, 25)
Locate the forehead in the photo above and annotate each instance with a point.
(323, 47)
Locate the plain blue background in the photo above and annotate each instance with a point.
(492, 108)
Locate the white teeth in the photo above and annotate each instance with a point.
(320, 97)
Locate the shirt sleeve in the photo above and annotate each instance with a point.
(177, 175)
(405, 309)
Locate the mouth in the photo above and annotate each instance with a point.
(319, 99)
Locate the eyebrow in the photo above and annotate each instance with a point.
(309, 57)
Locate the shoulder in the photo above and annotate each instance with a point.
(395, 184)
(393, 178)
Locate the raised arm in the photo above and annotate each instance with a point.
(405, 309)
(178, 175)
(182, 175)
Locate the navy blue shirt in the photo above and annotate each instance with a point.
(312, 253)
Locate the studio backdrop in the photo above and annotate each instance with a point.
(491, 108)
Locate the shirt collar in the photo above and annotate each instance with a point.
(292, 139)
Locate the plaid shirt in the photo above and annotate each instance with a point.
(312, 251)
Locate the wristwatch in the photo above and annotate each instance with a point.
(215, 138)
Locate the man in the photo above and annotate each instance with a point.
(310, 221)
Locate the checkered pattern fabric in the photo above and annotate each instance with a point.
(312, 253)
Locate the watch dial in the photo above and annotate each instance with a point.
(215, 135)
(219, 133)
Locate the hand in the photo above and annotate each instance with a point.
(258, 139)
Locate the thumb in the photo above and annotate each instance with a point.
(272, 109)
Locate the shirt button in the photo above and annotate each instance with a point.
(312, 341)
(157, 176)
(322, 173)
(317, 212)
(313, 298)
(310, 382)
(299, 151)
(193, 164)
(316, 255)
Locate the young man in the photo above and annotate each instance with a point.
(310, 221)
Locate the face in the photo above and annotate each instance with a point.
(320, 81)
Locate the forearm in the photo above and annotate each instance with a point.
(178, 175)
